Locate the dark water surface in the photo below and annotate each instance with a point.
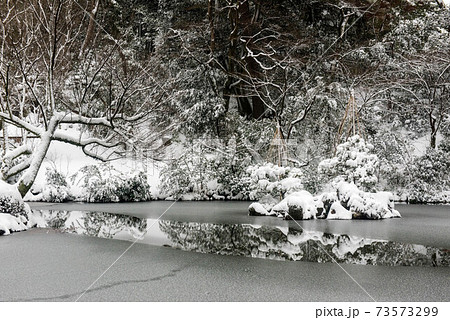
(427, 225)
(250, 240)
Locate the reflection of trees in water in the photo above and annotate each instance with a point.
(297, 245)
(262, 242)
(98, 224)
(107, 225)
(56, 219)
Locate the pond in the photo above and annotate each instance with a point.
(421, 224)
(224, 228)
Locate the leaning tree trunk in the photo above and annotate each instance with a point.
(26, 181)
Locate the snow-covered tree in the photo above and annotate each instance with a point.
(417, 78)
(63, 71)
(354, 163)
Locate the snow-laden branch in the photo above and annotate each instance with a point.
(16, 121)
(85, 142)
(18, 168)
(79, 119)
(63, 137)
(11, 155)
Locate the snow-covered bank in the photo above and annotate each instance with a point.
(14, 213)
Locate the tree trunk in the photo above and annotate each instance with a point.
(91, 27)
(27, 180)
(433, 130)
(433, 140)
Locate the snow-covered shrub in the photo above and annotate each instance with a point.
(430, 177)
(392, 150)
(56, 188)
(134, 188)
(361, 205)
(353, 162)
(102, 183)
(269, 179)
(14, 213)
(208, 169)
(176, 180)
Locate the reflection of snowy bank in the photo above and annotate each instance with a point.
(297, 245)
(98, 224)
(246, 240)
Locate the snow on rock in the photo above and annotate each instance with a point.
(338, 212)
(345, 202)
(365, 205)
(301, 206)
(14, 212)
(257, 209)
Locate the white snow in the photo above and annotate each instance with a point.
(9, 222)
(258, 209)
(7, 190)
(270, 179)
(346, 202)
(378, 205)
(338, 212)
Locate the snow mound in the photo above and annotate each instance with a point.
(9, 223)
(300, 205)
(366, 205)
(14, 212)
(338, 212)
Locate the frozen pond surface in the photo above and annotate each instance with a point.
(46, 265)
(421, 224)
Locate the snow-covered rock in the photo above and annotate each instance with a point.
(338, 212)
(345, 202)
(9, 223)
(365, 205)
(257, 209)
(300, 205)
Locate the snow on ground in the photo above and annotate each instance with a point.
(9, 223)
(13, 211)
(69, 159)
(420, 145)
